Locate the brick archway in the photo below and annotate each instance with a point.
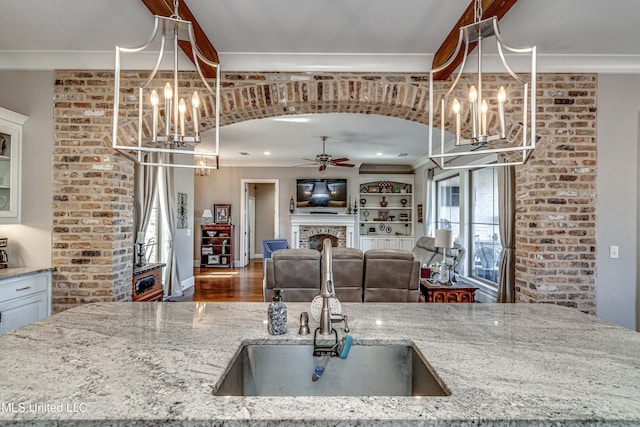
(93, 187)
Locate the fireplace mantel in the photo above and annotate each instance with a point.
(337, 220)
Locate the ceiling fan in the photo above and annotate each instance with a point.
(325, 159)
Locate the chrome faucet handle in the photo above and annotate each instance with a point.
(304, 324)
(341, 318)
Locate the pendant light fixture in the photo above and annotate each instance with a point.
(169, 111)
(472, 109)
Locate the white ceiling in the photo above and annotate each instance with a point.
(321, 35)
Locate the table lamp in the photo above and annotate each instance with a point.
(444, 240)
(207, 217)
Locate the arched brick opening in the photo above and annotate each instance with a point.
(93, 187)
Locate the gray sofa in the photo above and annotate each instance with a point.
(381, 275)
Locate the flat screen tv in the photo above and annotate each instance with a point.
(318, 192)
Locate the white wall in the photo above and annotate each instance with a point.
(31, 93)
(617, 201)
(183, 239)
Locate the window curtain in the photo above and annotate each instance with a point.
(168, 206)
(146, 182)
(506, 216)
(429, 203)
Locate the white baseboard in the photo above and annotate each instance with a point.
(188, 283)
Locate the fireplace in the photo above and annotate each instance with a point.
(307, 229)
(317, 241)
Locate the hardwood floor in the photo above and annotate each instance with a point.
(224, 284)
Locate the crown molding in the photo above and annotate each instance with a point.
(317, 62)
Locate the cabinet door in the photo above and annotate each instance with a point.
(406, 243)
(10, 163)
(366, 243)
(386, 243)
(22, 311)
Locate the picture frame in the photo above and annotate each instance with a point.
(420, 218)
(183, 221)
(213, 259)
(222, 214)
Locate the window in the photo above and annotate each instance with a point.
(484, 231)
(448, 205)
(467, 204)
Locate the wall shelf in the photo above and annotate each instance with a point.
(390, 226)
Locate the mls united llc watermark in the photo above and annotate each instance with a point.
(44, 407)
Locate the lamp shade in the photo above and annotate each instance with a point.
(444, 239)
(207, 213)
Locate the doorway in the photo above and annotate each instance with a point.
(259, 216)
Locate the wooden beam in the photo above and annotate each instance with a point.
(204, 45)
(490, 8)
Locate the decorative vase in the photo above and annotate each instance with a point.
(383, 202)
(404, 202)
(363, 202)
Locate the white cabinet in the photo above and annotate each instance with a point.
(10, 164)
(24, 299)
(404, 243)
(367, 243)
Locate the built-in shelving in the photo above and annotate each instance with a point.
(386, 212)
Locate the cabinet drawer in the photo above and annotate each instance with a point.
(23, 286)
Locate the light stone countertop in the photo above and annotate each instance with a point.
(11, 272)
(157, 363)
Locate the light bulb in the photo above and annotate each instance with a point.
(168, 92)
(182, 106)
(154, 98)
(484, 107)
(195, 100)
(456, 106)
(473, 94)
(502, 95)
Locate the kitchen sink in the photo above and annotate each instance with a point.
(369, 370)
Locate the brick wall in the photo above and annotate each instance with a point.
(92, 195)
(556, 197)
(93, 188)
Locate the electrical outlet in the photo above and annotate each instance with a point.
(613, 251)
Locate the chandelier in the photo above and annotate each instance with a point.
(474, 129)
(204, 165)
(169, 111)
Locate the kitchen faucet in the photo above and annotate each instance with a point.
(327, 291)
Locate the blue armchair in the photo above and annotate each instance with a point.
(268, 246)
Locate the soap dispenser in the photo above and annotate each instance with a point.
(277, 314)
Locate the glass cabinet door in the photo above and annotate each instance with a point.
(10, 163)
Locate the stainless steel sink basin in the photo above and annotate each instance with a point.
(369, 370)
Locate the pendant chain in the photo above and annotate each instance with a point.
(478, 10)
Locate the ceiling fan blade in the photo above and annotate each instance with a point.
(345, 165)
(309, 160)
(340, 160)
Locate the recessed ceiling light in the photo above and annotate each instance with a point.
(267, 153)
(378, 154)
(292, 119)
